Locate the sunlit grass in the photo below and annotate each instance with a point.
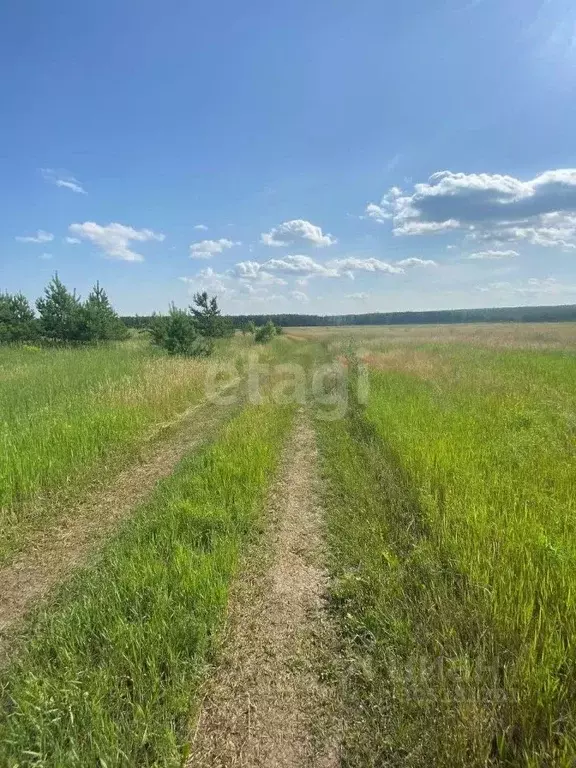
(465, 479)
(109, 675)
(66, 411)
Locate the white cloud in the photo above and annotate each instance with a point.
(414, 262)
(206, 280)
(39, 237)
(206, 249)
(299, 296)
(202, 227)
(352, 264)
(252, 271)
(303, 266)
(357, 296)
(490, 207)
(534, 286)
(550, 230)
(249, 270)
(297, 231)
(63, 180)
(377, 212)
(45, 256)
(492, 255)
(114, 239)
(245, 279)
(72, 240)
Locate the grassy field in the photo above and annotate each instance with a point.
(69, 415)
(560, 336)
(461, 472)
(450, 503)
(109, 673)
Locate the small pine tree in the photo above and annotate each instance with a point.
(17, 321)
(61, 315)
(178, 334)
(208, 318)
(251, 327)
(102, 322)
(265, 332)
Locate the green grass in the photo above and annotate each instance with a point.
(108, 675)
(452, 511)
(67, 413)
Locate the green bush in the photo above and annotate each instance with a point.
(178, 334)
(265, 333)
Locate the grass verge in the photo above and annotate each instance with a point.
(108, 674)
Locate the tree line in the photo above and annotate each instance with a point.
(544, 314)
(62, 317)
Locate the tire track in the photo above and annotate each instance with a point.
(265, 705)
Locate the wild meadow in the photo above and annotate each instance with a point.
(448, 488)
(453, 498)
(71, 414)
(110, 673)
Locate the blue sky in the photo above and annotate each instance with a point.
(311, 156)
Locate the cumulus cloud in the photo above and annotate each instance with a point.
(297, 231)
(377, 212)
(299, 296)
(357, 296)
(249, 270)
(533, 286)
(63, 180)
(206, 249)
(39, 237)
(252, 271)
(494, 207)
(206, 280)
(414, 262)
(304, 268)
(72, 240)
(300, 265)
(201, 227)
(45, 256)
(352, 264)
(114, 239)
(492, 255)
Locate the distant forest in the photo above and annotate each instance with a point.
(444, 316)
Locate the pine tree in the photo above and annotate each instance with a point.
(178, 334)
(265, 332)
(208, 319)
(17, 321)
(102, 322)
(61, 315)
